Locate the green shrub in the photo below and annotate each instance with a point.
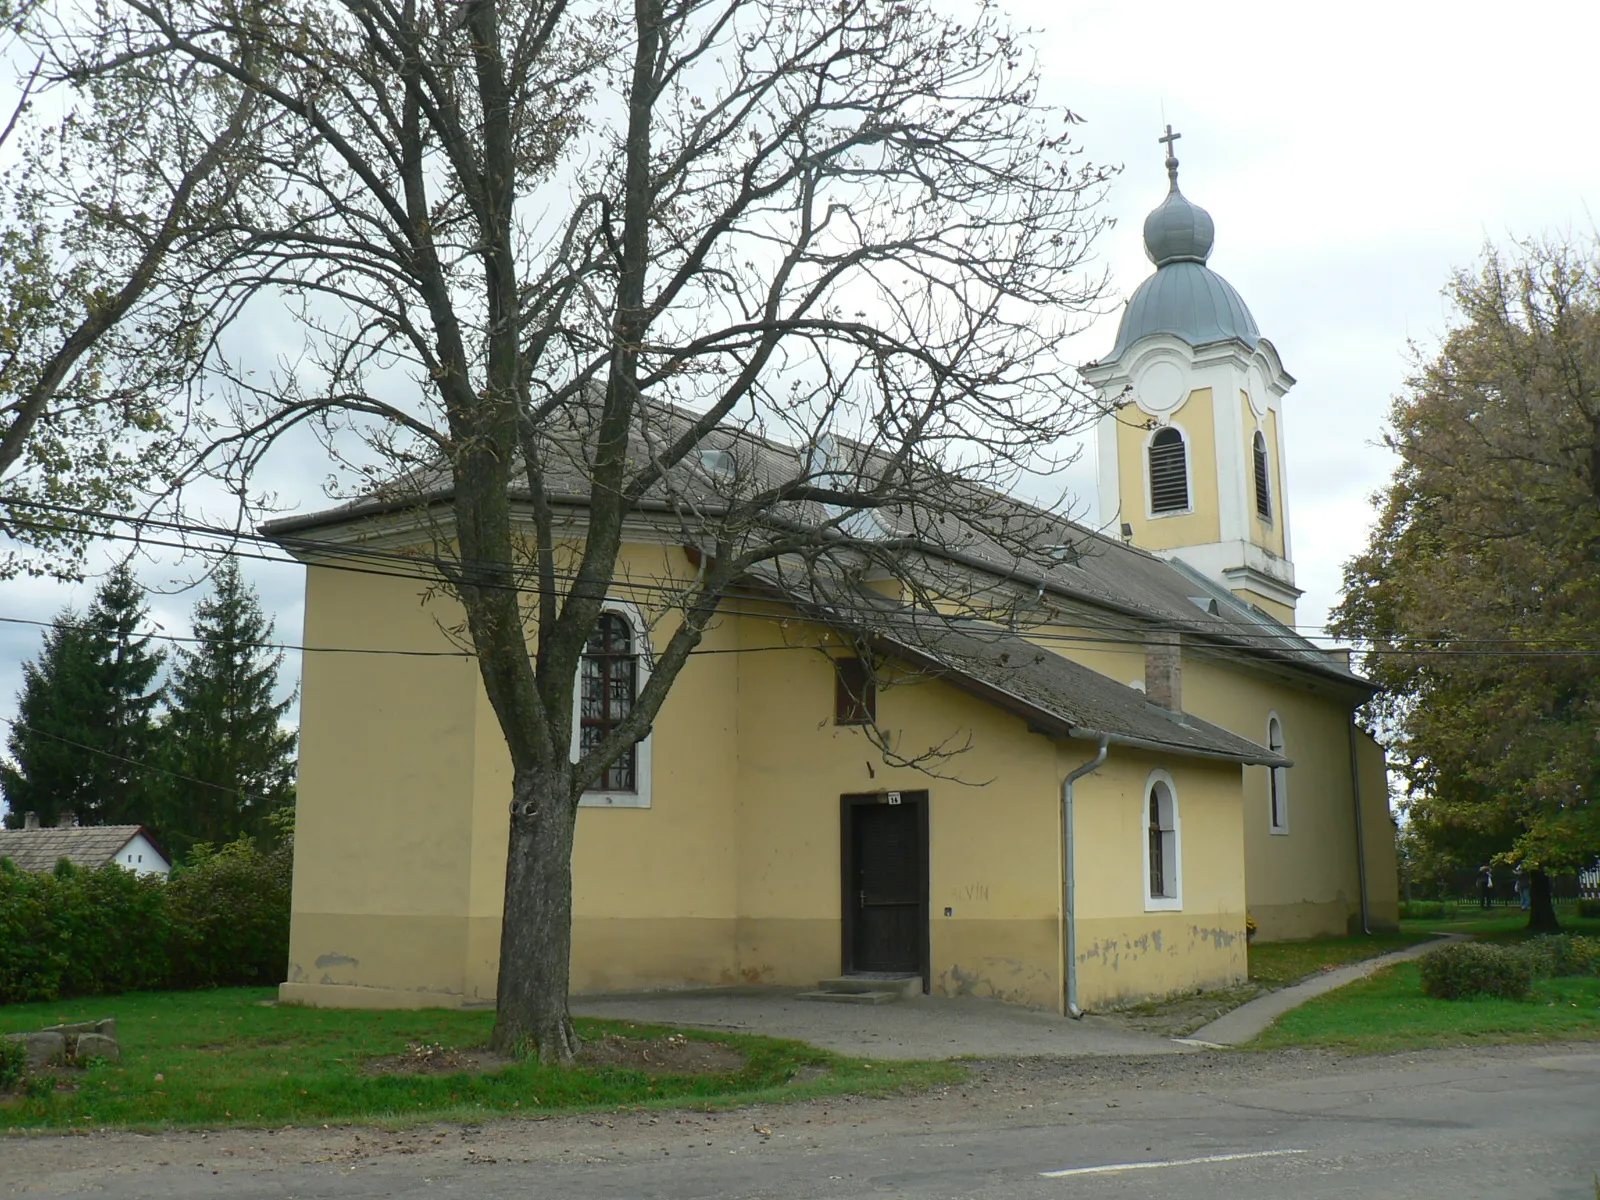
(224, 920)
(1558, 954)
(1589, 908)
(230, 918)
(1426, 910)
(1465, 969)
(13, 1062)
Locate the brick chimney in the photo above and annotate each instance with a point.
(1163, 670)
(30, 820)
(69, 820)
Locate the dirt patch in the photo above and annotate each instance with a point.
(430, 1058)
(1180, 1015)
(670, 1055)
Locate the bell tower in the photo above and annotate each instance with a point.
(1191, 440)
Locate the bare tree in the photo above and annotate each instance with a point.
(560, 265)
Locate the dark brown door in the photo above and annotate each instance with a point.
(886, 853)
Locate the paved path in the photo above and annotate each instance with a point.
(924, 1027)
(1250, 1019)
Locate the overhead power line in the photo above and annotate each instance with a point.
(1115, 630)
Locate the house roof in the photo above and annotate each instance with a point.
(1134, 589)
(83, 845)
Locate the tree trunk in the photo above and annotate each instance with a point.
(1541, 907)
(536, 932)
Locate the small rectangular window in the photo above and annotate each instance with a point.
(855, 693)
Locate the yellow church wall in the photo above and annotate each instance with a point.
(1201, 524)
(382, 879)
(1303, 883)
(1111, 652)
(1266, 534)
(654, 889)
(993, 849)
(403, 793)
(1123, 952)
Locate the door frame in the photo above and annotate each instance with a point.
(847, 909)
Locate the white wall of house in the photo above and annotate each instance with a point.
(142, 858)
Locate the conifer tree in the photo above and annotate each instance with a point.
(127, 771)
(48, 773)
(225, 740)
(85, 739)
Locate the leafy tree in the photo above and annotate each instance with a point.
(86, 740)
(1479, 593)
(224, 736)
(567, 249)
(102, 290)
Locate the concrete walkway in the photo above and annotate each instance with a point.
(1250, 1019)
(922, 1027)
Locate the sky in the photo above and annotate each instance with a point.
(1351, 156)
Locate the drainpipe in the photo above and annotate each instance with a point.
(1361, 840)
(1069, 882)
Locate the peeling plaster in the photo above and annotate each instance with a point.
(336, 960)
(1027, 981)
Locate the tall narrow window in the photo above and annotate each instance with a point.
(607, 686)
(1263, 479)
(855, 693)
(1163, 867)
(1278, 789)
(1169, 472)
(1158, 848)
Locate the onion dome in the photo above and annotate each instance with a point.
(1184, 298)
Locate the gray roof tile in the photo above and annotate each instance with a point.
(83, 845)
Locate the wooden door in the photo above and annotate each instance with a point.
(886, 883)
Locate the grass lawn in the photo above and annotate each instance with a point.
(1501, 925)
(1278, 964)
(1388, 1012)
(228, 1057)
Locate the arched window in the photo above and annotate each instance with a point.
(1278, 787)
(1263, 479)
(607, 685)
(1163, 858)
(1169, 472)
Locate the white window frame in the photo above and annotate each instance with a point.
(1173, 902)
(1188, 474)
(644, 658)
(1277, 781)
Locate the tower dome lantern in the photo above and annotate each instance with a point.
(1191, 446)
(1178, 229)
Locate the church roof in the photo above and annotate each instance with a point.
(1189, 301)
(1184, 298)
(1100, 573)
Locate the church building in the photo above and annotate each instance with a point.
(1154, 758)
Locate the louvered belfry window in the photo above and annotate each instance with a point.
(1169, 473)
(607, 684)
(1263, 481)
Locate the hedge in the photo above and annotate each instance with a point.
(1464, 969)
(222, 920)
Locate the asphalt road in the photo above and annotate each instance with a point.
(1511, 1122)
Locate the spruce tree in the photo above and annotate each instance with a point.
(49, 772)
(224, 733)
(128, 771)
(85, 739)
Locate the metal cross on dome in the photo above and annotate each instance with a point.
(1172, 157)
